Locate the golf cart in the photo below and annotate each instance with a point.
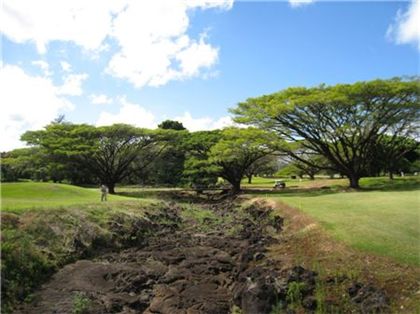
(279, 184)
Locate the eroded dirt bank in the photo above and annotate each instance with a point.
(192, 259)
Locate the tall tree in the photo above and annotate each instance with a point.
(108, 152)
(343, 123)
(198, 169)
(267, 165)
(238, 150)
(168, 167)
(390, 152)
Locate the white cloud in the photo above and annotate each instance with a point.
(101, 99)
(134, 114)
(72, 85)
(299, 3)
(153, 46)
(406, 28)
(28, 103)
(44, 66)
(203, 124)
(130, 113)
(65, 66)
(160, 50)
(44, 21)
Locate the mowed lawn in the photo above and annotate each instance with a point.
(383, 222)
(27, 195)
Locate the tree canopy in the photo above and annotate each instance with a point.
(108, 152)
(343, 123)
(238, 149)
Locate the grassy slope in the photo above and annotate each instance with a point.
(383, 222)
(72, 223)
(26, 195)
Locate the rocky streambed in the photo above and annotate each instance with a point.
(207, 258)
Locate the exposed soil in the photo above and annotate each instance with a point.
(186, 265)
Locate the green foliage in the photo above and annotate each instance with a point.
(205, 218)
(238, 149)
(294, 293)
(198, 169)
(109, 154)
(235, 310)
(81, 304)
(23, 267)
(24, 163)
(168, 167)
(343, 123)
(171, 125)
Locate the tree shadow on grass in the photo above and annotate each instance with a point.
(398, 184)
(367, 185)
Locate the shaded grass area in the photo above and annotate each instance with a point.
(385, 222)
(26, 195)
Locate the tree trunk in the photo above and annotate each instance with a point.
(311, 176)
(111, 188)
(236, 187)
(354, 181)
(391, 175)
(249, 179)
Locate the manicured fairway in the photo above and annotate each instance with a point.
(383, 222)
(27, 195)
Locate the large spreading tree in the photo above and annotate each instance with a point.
(238, 150)
(344, 123)
(108, 153)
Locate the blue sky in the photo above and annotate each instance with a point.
(142, 63)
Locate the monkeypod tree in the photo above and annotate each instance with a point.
(108, 152)
(168, 167)
(238, 149)
(267, 165)
(343, 123)
(198, 169)
(391, 153)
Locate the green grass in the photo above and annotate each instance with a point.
(27, 195)
(264, 183)
(385, 222)
(374, 183)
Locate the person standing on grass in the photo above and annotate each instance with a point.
(104, 193)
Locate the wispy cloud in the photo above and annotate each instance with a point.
(299, 3)
(100, 99)
(72, 85)
(406, 27)
(31, 102)
(203, 123)
(44, 66)
(129, 113)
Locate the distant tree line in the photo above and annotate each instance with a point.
(355, 130)
(83, 154)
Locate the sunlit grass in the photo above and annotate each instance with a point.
(26, 195)
(386, 222)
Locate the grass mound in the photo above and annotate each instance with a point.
(35, 243)
(26, 195)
